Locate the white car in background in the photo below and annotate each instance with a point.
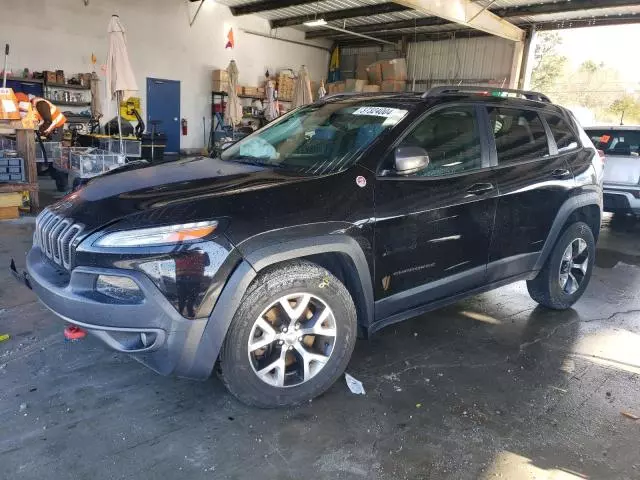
(621, 147)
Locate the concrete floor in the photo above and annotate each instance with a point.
(491, 387)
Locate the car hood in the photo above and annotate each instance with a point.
(184, 190)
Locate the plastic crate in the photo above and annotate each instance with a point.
(6, 144)
(12, 170)
(132, 148)
(91, 162)
(53, 150)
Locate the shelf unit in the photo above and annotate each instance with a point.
(253, 97)
(67, 86)
(217, 118)
(61, 103)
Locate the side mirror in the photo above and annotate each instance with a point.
(410, 160)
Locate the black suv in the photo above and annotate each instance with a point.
(336, 220)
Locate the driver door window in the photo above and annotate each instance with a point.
(452, 140)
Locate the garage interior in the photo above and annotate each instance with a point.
(491, 387)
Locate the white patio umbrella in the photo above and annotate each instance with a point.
(303, 95)
(233, 112)
(120, 79)
(270, 109)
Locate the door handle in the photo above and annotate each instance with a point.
(560, 173)
(480, 188)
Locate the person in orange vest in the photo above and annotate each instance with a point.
(48, 114)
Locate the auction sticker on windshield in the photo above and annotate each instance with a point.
(379, 111)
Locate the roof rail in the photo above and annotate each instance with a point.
(334, 96)
(486, 90)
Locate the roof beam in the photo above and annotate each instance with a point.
(589, 22)
(469, 33)
(560, 7)
(340, 14)
(382, 27)
(465, 12)
(266, 5)
(522, 11)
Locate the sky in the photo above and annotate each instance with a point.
(615, 46)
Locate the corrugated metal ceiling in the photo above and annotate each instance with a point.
(334, 5)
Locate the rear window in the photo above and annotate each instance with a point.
(615, 142)
(520, 135)
(563, 134)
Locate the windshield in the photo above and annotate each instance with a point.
(616, 142)
(317, 139)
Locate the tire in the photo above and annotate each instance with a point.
(239, 366)
(547, 288)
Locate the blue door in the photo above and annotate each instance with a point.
(163, 107)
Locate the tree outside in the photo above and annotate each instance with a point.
(592, 85)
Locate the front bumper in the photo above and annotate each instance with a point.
(620, 201)
(151, 330)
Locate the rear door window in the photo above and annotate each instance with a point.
(615, 142)
(562, 132)
(519, 135)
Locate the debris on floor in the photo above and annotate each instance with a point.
(354, 385)
(630, 415)
(5, 337)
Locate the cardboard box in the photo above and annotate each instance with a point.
(393, 86)
(335, 87)
(9, 213)
(219, 86)
(49, 77)
(371, 88)
(60, 76)
(374, 73)
(362, 63)
(395, 69)
(352, 85)
(250, 91)
(220, 76)
(8, 105)
(220, 81)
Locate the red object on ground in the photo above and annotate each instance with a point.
(74, 333)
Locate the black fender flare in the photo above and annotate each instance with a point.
(566, 209)
(210, 344)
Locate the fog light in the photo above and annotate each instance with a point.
(120, 288)
(147, 339)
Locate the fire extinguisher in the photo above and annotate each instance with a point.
(184, 126)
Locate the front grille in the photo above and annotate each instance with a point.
(54, 235)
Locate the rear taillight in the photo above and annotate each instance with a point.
(601, 155)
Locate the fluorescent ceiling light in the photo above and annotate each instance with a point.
(320, 22)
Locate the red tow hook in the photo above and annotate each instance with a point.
(73, 333)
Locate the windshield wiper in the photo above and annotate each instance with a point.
(255, 161)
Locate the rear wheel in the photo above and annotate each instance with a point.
(291, 338)
(565, 276)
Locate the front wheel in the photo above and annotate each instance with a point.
(567, 272)
(291, 338)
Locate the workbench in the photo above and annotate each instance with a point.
(26, 148)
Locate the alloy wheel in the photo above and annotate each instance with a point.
(292, 340)
(573, 266)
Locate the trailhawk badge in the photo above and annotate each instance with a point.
(361, 181)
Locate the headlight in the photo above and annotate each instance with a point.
(144, 237)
